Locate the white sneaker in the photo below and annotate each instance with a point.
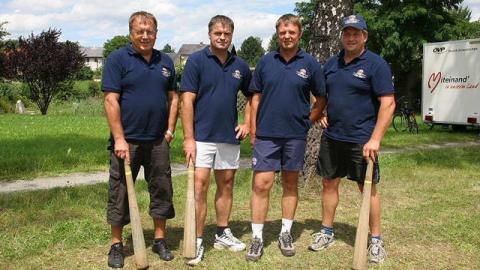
(228, 241)
(199, 257)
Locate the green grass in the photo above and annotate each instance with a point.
(73, 137)
(431, 216)
(437, 135)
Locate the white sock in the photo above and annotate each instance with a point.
(286, 225)
(257, 231)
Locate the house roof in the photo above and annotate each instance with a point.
(188, 49)
(92, 51)
(174, 57)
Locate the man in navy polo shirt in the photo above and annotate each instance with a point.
(141, 107)
(210, 82)
(359, 110)
(281, 116)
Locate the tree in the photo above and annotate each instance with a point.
(396, 32)
(306, 11)
(115, 43)
(44, 64)
(324, 32)
(251, 50)
(3, 33)
(167, 49)
(273, 43)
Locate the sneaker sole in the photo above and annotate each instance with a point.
(231, 248)
(253, 259)
(323, 247)
(192, 263)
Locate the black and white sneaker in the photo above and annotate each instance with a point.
(376, 251)
(199, 257)
(321, 240)
(228, 241)
(285, 243)
(255, 251)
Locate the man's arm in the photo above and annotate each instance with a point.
(244, 129)
(318, 107)
(172, 114)
(112, 109)
(385, 114)
(189, 148)
(253, 116)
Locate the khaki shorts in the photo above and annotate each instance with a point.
(219, 156)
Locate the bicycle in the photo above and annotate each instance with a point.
(404, 118)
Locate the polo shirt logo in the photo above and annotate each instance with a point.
(166, 73)
(236, 74)
(303, 73)
(360, 74)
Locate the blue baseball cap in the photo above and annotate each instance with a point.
(355, 21)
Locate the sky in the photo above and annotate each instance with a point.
(91, 23)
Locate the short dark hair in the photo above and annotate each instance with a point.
(220, 19)
(289, 18)
(142, 15)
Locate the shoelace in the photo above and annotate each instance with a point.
(116, 253)
(375, 248)
(229, 236)
(320, 236)
(255, 247)
(287, 239)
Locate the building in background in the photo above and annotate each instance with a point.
(93, 57)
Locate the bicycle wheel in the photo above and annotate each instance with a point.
(400, 123)
(412, 124)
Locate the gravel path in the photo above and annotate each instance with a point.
(177, 169)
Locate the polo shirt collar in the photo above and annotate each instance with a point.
(209, 53)
(155, 54)
(362, 56)
(300, 54)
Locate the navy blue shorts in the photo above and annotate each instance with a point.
(275, 154)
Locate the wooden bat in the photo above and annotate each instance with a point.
(189, 232)
(360, 250)
(137, 231)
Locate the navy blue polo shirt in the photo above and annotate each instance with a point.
(353, 92)
(284, 107)
(143, 89)
(216, 87)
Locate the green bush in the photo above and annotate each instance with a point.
(85, 73)
(94, 89)
(10, 92)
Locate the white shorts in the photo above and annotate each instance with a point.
(219, 156)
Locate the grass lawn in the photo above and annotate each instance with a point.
(73, 138)
(431, 216)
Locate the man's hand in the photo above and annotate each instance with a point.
(242, 131)
(324, 121)
(252, 139)
(189, 149)
(168, 136)
(122, 150)
(370, 149)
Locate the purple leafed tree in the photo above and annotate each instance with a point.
(43, 63)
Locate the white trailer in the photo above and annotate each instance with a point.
(450, 85)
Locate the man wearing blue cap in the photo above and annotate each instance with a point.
(360, 107)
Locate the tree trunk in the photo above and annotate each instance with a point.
(324, 42)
